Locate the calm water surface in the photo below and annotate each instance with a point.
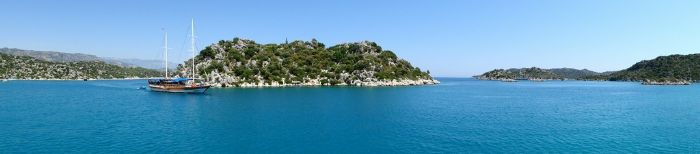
(458, 116)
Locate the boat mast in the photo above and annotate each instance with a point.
(166, 55)
(193, 66)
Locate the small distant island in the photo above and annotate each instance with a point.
(536, 74)
(663, 70)
(245, 63)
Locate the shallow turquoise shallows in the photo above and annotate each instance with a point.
(457, 116)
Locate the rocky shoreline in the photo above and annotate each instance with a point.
(312, 83)
(644, 82)
(91, 79)
(510, 79)
(653, 82)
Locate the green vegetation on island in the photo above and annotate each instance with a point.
(672, 69)
(663, 70)
(240, 62)
(572, 73)
(24, 67)
(524, 73)
(535, 73)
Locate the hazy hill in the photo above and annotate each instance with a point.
(53, 56)
(150, 64)
(25, 67)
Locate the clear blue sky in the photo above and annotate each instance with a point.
(449, 38)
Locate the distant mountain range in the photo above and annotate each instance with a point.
(150, 64)
(25, 67)
(62, 57)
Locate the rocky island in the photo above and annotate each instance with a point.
(245, 63)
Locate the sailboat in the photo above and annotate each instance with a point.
(178, 85)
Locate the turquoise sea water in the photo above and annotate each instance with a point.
(457, 116)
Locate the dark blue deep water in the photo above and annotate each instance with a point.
(458, 116)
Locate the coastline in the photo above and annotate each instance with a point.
(643, 82)
(393, 83)
(523, 79)
(76, 79)
(666, 83)
(317, 83)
